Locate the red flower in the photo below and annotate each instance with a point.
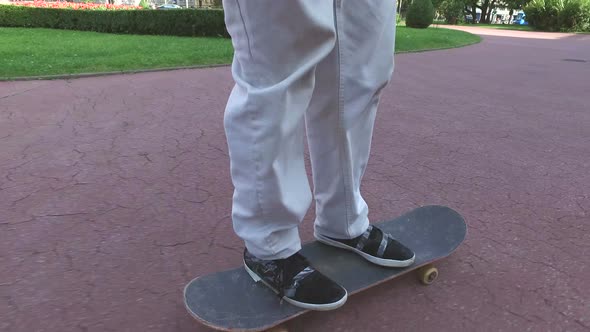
(83, 6)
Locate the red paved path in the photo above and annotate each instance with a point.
(115, 192)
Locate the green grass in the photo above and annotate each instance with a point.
(39, 52)
(28, 52)
(416, 40)
(501, 26)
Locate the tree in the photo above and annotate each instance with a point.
(486, 10)
(420, 15)
(452, 10)
(514, 5)
(488, 7)
(402, 7)
(471, 8)
(437, 4)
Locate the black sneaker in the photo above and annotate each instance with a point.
(375, 246)
(295, 281)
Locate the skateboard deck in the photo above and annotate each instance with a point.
(232, 301)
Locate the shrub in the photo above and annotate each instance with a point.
(181, 22)
(559, 15)
(575, 16)
(542, 14)
(420, 15)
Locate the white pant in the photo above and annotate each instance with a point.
(321, 61)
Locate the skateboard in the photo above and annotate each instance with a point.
(232, 301)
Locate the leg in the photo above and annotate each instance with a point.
(340, 127)
(277, 49)
(278, 45)
(342, 113)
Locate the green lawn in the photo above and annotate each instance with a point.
(433, 38)
(37, 52)
(34, 52)
(501, 26)
(442, 23)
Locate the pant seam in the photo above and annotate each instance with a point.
(341, 131)
(244, 26)
(255, 151)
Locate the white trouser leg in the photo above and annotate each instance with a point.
(278, 45)
(342, 112)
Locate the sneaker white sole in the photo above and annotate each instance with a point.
(309, 306)
(370, 258)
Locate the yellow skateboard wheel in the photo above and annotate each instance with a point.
(427, 274)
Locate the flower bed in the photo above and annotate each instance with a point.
(73, 5)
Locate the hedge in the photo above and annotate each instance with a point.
(179, 22)
(559, 15)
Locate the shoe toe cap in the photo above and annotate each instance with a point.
(318, 289)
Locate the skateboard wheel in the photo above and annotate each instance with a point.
(278, 329)
(427, 274)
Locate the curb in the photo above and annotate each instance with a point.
(109, 73)
(443, 48)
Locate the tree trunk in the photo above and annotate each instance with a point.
(470, 9)
(484, 11)
(490, 19)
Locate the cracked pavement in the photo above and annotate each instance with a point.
(115, 192)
